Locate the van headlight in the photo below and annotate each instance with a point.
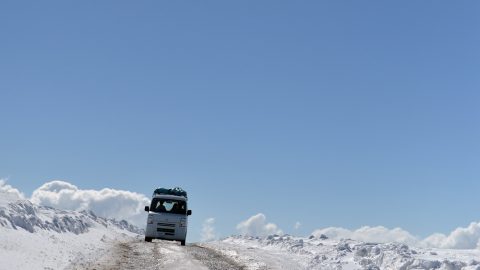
(183, 222)
(150, 220)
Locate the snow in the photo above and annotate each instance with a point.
(37, 237)
(40, 237)
(288, 252)
(174, 255)
(46, 250)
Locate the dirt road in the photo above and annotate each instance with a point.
(138, 254)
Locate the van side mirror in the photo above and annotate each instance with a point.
(147, 208)
(189, 212)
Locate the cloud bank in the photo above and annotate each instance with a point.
(257, 226)
(460, 238)
(121, 204)
(9, 191)
(208, 230)
(107, 202)
(378, 234)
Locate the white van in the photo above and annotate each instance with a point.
(167, 218)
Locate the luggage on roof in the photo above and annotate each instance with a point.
(177, 191)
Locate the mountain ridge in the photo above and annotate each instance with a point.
(23, 214)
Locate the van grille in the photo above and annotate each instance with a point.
(165, 230)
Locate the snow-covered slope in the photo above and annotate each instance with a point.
(38, 237)
(287, 252)
(23, 214)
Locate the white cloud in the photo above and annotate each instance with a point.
(208, 230)
(110, 203)
(378, 234)
(257, 226)
(460, 238)
(129, 205)
(297, 225)
(9, 193)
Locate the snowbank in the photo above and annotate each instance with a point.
(287, 252)
(39, 237)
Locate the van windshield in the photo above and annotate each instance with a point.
(168, 206)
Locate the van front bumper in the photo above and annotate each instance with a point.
(169, 233)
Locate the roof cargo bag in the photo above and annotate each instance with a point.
(177, 191)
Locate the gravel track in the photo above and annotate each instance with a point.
(138, 254)
(213, 259)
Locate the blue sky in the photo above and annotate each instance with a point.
(331, 113)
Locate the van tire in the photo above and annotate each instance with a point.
(148, 239)
(182, 242)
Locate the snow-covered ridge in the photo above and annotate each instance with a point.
(53, 238)
(288, 252)
(23, 214)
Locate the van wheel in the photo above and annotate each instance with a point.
(148, 239)
(182, 242)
